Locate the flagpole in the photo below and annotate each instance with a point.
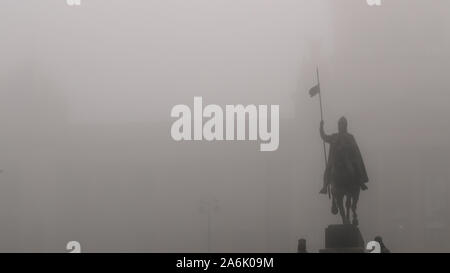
(321, 114)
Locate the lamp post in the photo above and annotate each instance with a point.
(208, 207)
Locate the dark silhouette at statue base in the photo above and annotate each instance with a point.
(343, 239)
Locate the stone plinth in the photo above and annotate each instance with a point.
(343, 239)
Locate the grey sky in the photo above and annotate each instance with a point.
(85, 100)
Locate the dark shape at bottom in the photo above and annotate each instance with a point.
(301, 248)
(343, 239)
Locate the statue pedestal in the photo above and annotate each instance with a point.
(343, 239)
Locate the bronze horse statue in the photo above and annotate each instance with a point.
(345, 174)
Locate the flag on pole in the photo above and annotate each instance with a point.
(315, 90)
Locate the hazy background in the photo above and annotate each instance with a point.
(85, 100)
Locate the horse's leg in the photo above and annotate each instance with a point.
(354, 206)
(340, 203)
(348, 203)
(334, 207)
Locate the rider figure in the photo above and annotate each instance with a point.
(344, 154)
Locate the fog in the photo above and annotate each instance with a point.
(85, 100)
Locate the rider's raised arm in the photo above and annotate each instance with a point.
(325, 137)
